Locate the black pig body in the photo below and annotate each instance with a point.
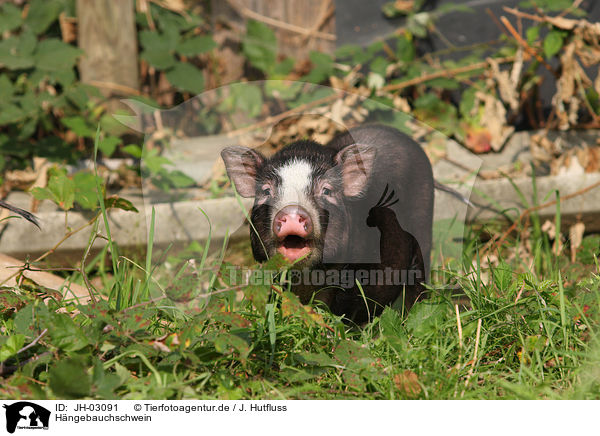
(358, 209)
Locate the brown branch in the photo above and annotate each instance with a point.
(35, 341)
(114, 87)
(529, 49)
(327, 10)
(446, 73)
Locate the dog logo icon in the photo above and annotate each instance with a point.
(26, 415)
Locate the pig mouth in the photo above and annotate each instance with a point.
(293, 247)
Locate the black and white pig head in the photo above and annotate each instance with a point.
(302, 196)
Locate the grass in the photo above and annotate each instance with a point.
(520, 322)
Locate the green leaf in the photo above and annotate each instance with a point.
(443, 83)
(282, 69)
(60, 189)
(14, 53)
(133, 149)
(69, 379)
(195, 45)
(248, 99)
(42, 13)
(65, 334)
(85, 190)
(6, 88)
(392, 329)
(282, 89)
(54, 55)
(553, 43)
(158, 59)
(260, 46)
(186, 77)
(227, 343)
(347, 51)
(155, 41)
(108, 145)
(425, 317)
(104, 383)
(532, 33)
(24, 323)
(322, 67)
(79, 126)
(12, 345)
(379, 65)
(503, 277)
(179, 179)
(116, 202)
(10, 17)
(10, 113)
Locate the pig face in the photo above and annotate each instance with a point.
(301, 197)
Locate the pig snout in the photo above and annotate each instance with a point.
(293, 228)
(292, 220)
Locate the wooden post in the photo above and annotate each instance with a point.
(106, 32)
(300, 25)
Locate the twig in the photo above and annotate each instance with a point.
(248, 13)
(474, 360)
(35, 341)
(529, 49)
(574, 6)
(281, 116)
(520, 292)
(327, 10)
(458, 323)
(447, 73)
(496, 21)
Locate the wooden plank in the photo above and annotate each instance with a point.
(316, 16)
(106, 32)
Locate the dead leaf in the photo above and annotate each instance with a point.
(549, 228)
(494, 119)
(576, 237)
(408, 383)
(562, 22)
(478, 140)
(68, 28)
(507, 84)
(404, 5)
(159, 346)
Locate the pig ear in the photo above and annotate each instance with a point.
(357, 163)
(242, 166)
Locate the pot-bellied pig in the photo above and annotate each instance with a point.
(354, 216)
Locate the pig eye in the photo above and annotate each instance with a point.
(326, 192)
(266, 190)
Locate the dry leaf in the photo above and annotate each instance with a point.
(478, 140)
(159, 346)
(408, 383)
(576, 237)
(68, 28)
(549, 228)
(562, 22)
(404, 5)
(494, 119)
(507, 85)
